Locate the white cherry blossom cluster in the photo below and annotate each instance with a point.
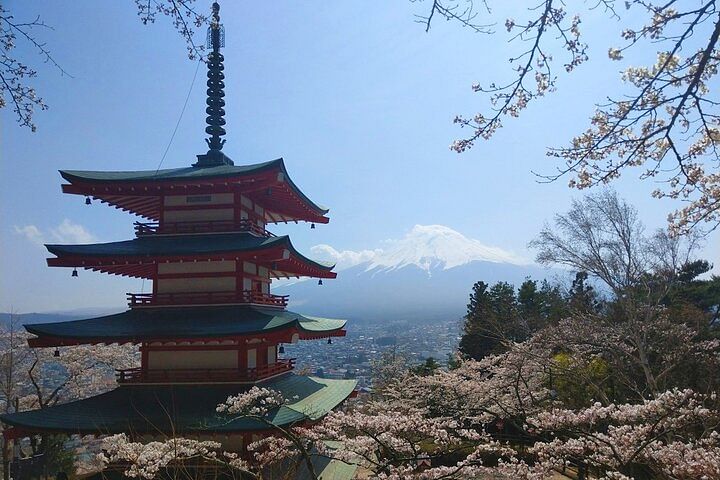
(667, 127)
(674, 409)
(273, 449)
(257, 401)
(673, 435)
(146, 460)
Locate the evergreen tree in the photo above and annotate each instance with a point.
(427, 368)
(582, 297)
(475, 343)
(541, 306)
(554, 303)
(695, 300)
(505, 321)
(497, 314)
(453, 361)
(527, 297)
(491, 319)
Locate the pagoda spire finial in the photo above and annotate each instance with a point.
(215, 93)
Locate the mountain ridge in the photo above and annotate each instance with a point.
(425, 246)
(409, 292)
(425, 275)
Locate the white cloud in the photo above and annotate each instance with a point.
(345, 258)
(69, 232)
(31, 232)
(65, 232)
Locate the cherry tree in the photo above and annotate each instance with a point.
(184, 16)
(16, 74)
(499, 417)
(15, 359)
(40, 377)
(502, 417)
(667, 127)
(147, 460)
(674, 435)
(86, 370)
(32, 378)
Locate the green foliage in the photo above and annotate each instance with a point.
(694, 300)
(453, 361)
(479, 336)
(427, 368)
(498, 315)
(60, 458)
(581, 297)
(577, 384)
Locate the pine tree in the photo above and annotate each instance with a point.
(427, 368)
(492, 318)
(582, 298)
(475, 343)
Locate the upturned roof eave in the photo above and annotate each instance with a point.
(76, 251)
(168, 174)
(171, 323)
(191, 173)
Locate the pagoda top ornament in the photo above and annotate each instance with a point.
(215, 95)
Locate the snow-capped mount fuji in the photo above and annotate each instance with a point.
(426, 275)
(431, 247)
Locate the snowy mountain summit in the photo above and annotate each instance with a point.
(428, 247)
(427, 274)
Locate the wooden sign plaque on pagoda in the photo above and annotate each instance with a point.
(210, 328)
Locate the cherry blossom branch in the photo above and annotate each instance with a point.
(461, 11)
(514, 96)
(184, 18)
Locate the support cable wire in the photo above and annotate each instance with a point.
(172, 137)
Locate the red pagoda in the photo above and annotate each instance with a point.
(211, 326)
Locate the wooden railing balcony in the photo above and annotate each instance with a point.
(204, 375)
(211, 226)
(206, 298)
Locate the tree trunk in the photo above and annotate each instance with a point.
(6, 454)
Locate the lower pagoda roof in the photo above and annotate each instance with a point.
(182, 409)
(137, 257)
(184, 323)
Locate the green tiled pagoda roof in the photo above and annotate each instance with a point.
(174, 245)
(187, 173)
(169, 174)
(181, 245)
(149, 324)
(182, 408)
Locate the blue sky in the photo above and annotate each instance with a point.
(356, 97)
